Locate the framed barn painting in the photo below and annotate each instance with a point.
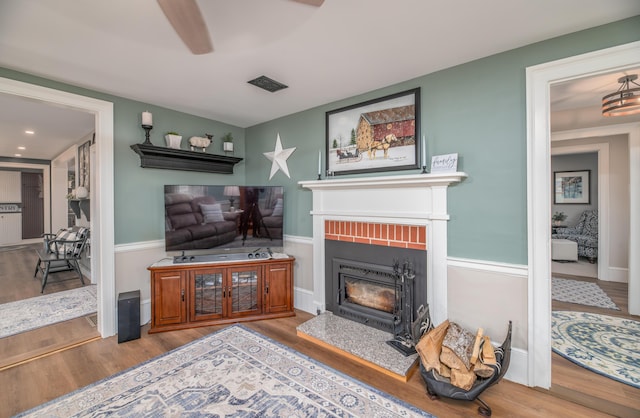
(377, 135)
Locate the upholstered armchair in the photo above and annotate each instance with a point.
(585, 233)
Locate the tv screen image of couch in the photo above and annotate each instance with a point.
(212, 219)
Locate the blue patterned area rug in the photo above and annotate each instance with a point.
(583, 293)
(607, 345)
(233, 372)
(29, 314)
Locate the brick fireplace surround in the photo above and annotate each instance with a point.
(407, 211)
(386, 235)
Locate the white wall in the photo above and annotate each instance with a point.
(59, 188)
(46, 175)
(10, 192)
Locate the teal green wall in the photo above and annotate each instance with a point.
(138, 200)
(477, 110)
(487, 129)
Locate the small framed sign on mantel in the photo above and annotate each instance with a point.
(447, 163)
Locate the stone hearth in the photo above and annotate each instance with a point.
(360, 343)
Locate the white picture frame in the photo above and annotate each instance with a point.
(446, 163)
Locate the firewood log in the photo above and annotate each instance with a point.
(488, 355)
(463, 379)
(461, 342)
(483, 370)
(449, 358)
(444, 371)
(476, 346)
(430, 345)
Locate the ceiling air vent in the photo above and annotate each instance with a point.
(268, 84)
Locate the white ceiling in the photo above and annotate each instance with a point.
(344, 48)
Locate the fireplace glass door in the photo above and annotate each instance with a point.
(370, 294)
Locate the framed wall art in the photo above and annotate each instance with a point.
(376, 135)
(571, 187)
(84, 169)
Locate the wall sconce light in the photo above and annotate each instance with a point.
(625, 101)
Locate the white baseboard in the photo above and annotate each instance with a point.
(618, 274)
(518, 365)
(145, 311)
(303, 300)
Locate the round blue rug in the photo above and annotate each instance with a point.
(604, 344)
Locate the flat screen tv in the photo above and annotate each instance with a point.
(211, 219)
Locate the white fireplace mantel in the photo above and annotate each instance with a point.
(415, 199)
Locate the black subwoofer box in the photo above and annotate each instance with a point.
(128, 316)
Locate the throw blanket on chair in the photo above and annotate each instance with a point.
(585, 233)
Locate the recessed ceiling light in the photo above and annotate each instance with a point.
(29, 132)
(22, 148)
(17, 155)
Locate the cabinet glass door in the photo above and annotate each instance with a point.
(208, 295)
(245, 297)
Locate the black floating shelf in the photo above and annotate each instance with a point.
(80, 205)
(152, 156)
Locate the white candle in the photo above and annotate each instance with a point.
(147, 118)
(319, 162)
(424, 151)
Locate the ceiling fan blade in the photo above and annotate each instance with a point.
(187, 21)
(316, 3)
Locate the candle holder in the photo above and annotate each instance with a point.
(147, 128)
(424, 170)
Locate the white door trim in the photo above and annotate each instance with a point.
(538, 81)
(102, 221)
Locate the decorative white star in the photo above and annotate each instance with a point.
(279, 158)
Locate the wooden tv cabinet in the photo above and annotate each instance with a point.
(202, 294)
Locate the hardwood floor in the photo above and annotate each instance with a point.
(578, 384)
(72, 362)
(17, 265)
(41, 380)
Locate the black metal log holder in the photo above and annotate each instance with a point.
(404, 310)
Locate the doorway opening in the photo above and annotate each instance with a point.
(539, 79)
(102, 222)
